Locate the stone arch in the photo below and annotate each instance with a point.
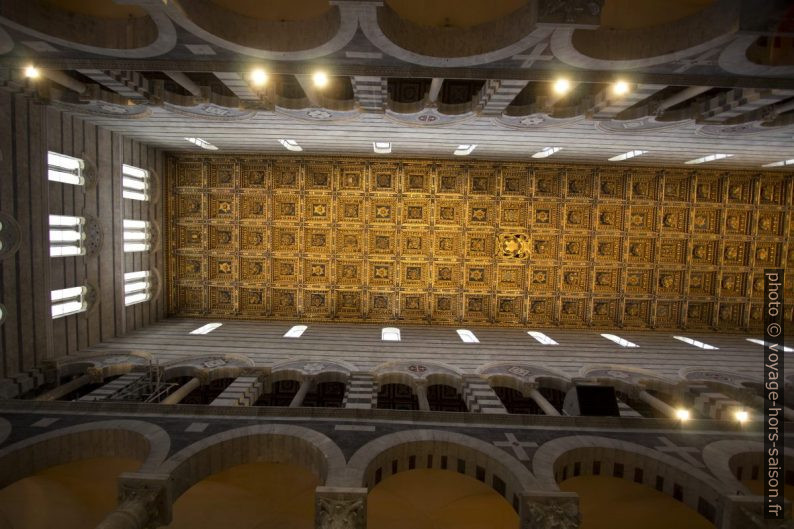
(593, 455)
(401, 39)
(723, 458)
(276, 443)
(208, 367)
(522, 377)
(127, 438)
(154, 34)
(328, 32)
(412, 373)
(104, 365)
(435, 449)
(321, 370)
(627, 377)
(626, 49)
(734, 59)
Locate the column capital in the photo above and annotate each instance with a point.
(151, 490)
(549, 510)
(340, 507)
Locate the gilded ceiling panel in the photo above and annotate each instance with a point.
(442, 242)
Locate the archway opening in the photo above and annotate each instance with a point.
(249, 496)
(607, 502)
(442, 397)
(515, 402)
(85, 389)
(397, 397)
(281, 393)
(437, 499)
(205, 393)
(74, 495)
(325, 395)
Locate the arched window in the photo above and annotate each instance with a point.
(66, 236)
(467, 336)
(135, 183)
(65, 169)
(542, 338)
(696, 343)
(390, 334)
(296, 331)
(137, 235)
(137, 287)
(620, 341)
(68, 301)
(206, 329)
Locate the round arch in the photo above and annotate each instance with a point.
(435, 449)
(580, 455)
(126, 438)
(276, 443)
(722, 458)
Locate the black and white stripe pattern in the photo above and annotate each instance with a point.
(113, 387)
(742, 101)
(713, 404)
(480, 396)
(370, 92)
(239, 87)
(607, 105)
(360, 392)
(131, 85)
(243, 391)
(496, 95)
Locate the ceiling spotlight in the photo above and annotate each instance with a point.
(258, 77)
(742, 415)
(682, 414)
(620, 88)
(31, 72)
(320, 79)
(562, 86)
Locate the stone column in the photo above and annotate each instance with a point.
(144, 503)
(549, 510)
(340, 508)
(297, 400)
(177, 396)
(541, 401)
(421, 396)
(92, 375)
(657, 404)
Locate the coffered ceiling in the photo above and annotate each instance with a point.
(419, 241)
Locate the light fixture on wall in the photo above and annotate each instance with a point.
(258, 77)
(320, 79)
(620, 88)
(561, 86)
(291, 145)
(31, 72)
(682, 415)
(742, 416)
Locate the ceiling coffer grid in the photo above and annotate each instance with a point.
(505, 244)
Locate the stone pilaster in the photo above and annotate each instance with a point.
(340, 508)
(549, 510)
